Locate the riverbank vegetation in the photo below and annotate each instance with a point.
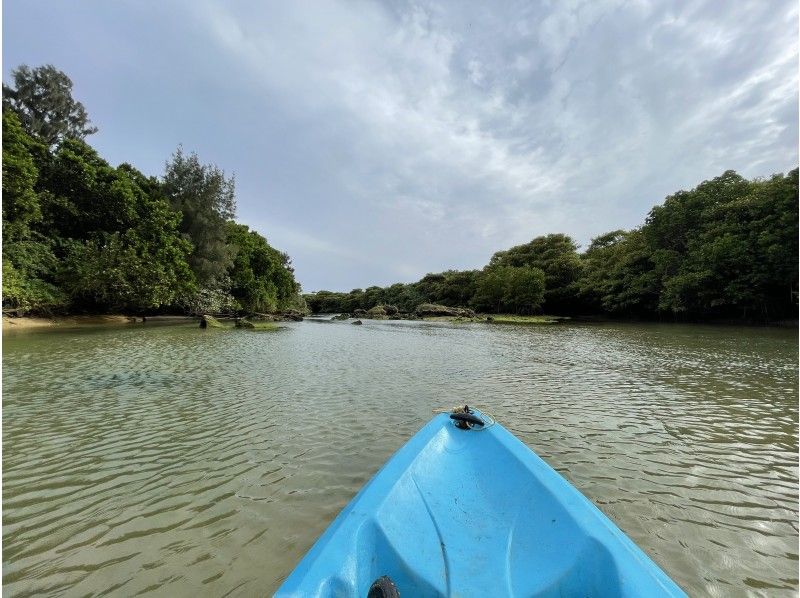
(82, 236)
(726, 249)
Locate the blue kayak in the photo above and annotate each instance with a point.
(466, 509)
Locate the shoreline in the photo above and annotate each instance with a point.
(27, 323)
(541, 319)
(36, 323)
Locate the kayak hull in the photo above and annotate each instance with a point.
(474, 513)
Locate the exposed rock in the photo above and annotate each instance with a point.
(428, 310)
(207, 321)
(344, 316)
(382, 310)
(404, 315)
(359, 313)
(358, 323)
(377, 310)
(257, 317)
(291, 315)
(242, 323)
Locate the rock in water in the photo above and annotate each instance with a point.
(207, 321)
(427, 310)
(358, 323)
(242, 323)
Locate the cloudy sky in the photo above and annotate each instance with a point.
(375, 142)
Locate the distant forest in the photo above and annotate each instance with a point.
(727, 249)
(81, 236)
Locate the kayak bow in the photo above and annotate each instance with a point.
(465, 509)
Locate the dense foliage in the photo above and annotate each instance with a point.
(206, 198)
(82, 235)
(726, 249)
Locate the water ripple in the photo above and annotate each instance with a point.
(174, 461)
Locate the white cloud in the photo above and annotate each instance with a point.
(381, 140)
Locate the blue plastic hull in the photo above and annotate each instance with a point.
(474, 513)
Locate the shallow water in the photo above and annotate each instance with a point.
(186, 462)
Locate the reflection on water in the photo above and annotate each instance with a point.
(188, 462)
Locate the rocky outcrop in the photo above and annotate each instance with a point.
(287, 316)
(432, 310)
(358, 323)
(377, 312)
(257, 317)
(380, 312)
(207, 321)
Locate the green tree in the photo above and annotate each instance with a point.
(524, 289)
(83, 194)
(509, 288)
(741, 258)
(28, 260)
(556, 255)
(20, 201)
(618, 275)
(44, 104)
(261, 277)
(135, 259)
(124, 271)
(206, 199)
(458, 287)
(490, 290)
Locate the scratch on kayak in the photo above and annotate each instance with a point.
(438, 533)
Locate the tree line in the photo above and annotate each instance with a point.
(726, 249)
(80, 235)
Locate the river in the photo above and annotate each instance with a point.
(188, 462)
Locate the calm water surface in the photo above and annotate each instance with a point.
(180, 462)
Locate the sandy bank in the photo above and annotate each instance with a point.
(36, 323)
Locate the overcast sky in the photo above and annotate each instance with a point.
(376, 142)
